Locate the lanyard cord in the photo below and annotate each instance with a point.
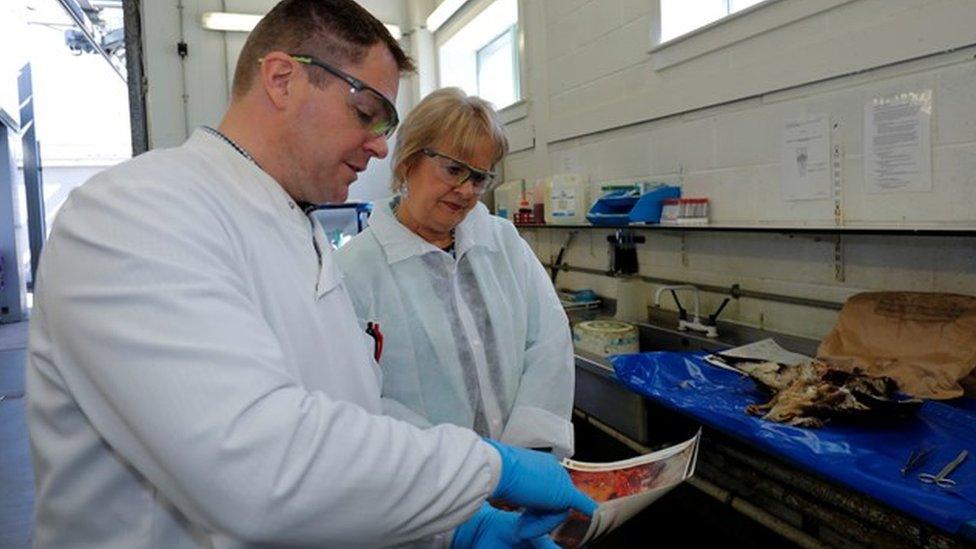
(306, 208)
(231, 142)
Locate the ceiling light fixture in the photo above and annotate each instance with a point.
(245, 22)
(442, 13)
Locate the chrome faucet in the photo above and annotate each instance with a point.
(684, 324)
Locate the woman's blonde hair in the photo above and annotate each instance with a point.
(464, 119)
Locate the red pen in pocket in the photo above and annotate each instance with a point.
(373, 330)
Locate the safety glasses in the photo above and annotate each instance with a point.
(374, 110)
(456, 172)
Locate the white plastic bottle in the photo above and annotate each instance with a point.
(567, 199)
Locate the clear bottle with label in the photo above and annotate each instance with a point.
(567, 199)
(507, 196)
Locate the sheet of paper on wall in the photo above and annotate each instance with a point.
(624, 488)
(571, 163)
(805, 159)
(897, 143)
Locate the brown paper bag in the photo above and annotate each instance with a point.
(924, 341)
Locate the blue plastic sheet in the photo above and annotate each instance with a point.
(865, 458)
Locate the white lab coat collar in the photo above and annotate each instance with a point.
(329, 274)
(268, 192)
(399, 242)
(269, 195)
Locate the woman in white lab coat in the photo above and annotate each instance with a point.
(474, 333)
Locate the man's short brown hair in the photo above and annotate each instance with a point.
(339, 31)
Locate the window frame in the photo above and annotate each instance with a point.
(511, 33)
(460, 19)
(733, 28)
(729, 16)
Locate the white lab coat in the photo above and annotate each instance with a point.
(479, 341)
(197, 378)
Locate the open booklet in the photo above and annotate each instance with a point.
(624, 488)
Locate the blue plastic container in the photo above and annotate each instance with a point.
(648, 208)
(613, 209)
(621, 208)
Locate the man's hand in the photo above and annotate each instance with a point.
(492, 528)
(538, 482)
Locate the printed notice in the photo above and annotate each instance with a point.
(897, 149)
(806, 159)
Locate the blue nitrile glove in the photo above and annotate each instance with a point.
(537, 481)
(492, 528)
(535, 526)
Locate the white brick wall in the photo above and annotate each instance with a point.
(600, 79)
(590, 77)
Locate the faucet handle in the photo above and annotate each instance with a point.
(714, 316)
(682, 312)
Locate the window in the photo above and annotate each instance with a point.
(680, 17)
(498, 70)
(482, 56)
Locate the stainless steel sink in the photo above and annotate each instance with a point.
(660, 334)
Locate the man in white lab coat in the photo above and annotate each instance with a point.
(196, 375)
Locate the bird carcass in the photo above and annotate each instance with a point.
(810, 394)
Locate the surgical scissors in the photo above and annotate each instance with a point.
(940, 479)
(915, 459)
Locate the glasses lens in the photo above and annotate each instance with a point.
(479, 181)
(456, 174)
(374, 111)
(452, 172)
(486, 182)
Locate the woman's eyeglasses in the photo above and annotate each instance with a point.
(456, 172)
(373, 109)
